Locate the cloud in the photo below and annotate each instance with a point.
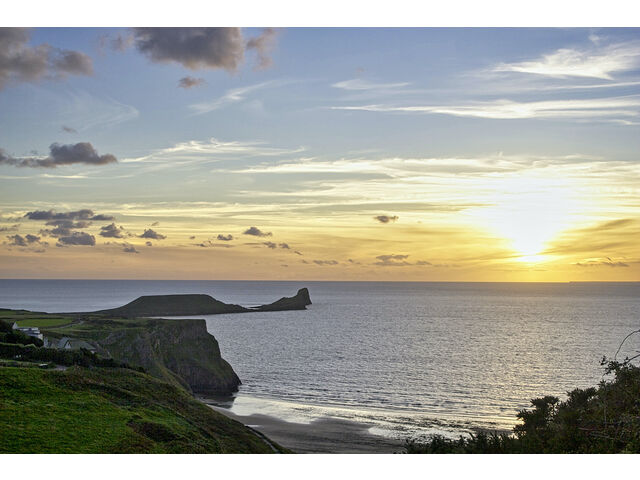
(263, 45)
(148, 243)
(112, 231)
(392, 260)
(323, 262)
(270, 245)
(155, 224)
(595, 61)
(607, 262)
(284, 246)
(64, 228)
(20, 62)
(69, 129)
(118, 43)
(190, 82)
(102, 217)
(82, 153)
(20, 241)
(225, 238)
(211, 150)
(209, 243)
(77, 238)
(233, 95)
(585, 109)
(256, 232)
(386, 218)
(193, 48)
(84, 214)
(11, 228)
(148, 233)
(361, 85)
(128, 248)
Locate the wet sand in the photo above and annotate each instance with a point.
(324, 435)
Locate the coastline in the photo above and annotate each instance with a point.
(322, 435)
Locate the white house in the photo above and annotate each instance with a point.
(31, 331)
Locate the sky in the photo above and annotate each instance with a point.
(404, 154)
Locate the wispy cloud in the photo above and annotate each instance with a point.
(195, 150)
(360, 85)
(234, 95)
(596, 61)
(584, 109)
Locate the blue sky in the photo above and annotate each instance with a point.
(325, 135)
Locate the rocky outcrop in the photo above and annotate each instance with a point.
(297, 302)
(170, 305)
(199, 304)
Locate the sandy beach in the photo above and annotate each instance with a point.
(324, 435)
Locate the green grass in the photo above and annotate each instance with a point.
(44, 322)
(25, 318)
(110, 411)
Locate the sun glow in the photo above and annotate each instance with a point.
(528, 212)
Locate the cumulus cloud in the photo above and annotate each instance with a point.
(190, 82)
(209, 243)
(10, 228)
(20, 241)
(386, 218)
(83, 153)
(256, 232)
(193, 48)
(392, 260)
(84, 214)
(20, 62)
(263, 45)
(128, 248)
(77, 238)
(63, 228)
(149, 233)
(324, 262)
(199, 48)
(225, 238)
(271, 245)
(285, 246)
(112, 231)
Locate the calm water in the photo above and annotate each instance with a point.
(410, 358)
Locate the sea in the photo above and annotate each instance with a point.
(407, 359)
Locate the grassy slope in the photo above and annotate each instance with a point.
(110, 411)
(180, 352)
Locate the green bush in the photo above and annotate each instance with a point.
(81, 357)
(15, 336)
(605, 419)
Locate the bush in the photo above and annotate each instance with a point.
(81, 357)
(605, 419)
(15, 336)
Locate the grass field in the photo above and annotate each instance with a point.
(34, 319)
(110, 411)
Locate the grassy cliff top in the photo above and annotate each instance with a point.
(111, 411)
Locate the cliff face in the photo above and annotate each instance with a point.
(180, 352)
